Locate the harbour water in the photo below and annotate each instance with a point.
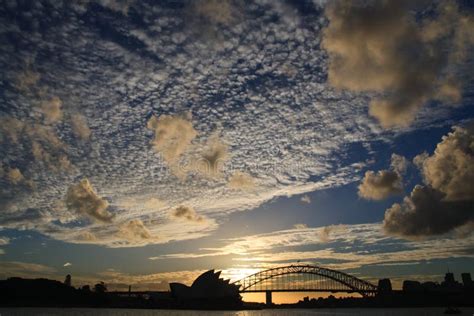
(267, 312)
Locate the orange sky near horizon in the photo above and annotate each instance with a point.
(291, 297)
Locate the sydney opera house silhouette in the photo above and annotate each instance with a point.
(208, 287)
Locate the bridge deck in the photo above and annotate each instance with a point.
(305, 290)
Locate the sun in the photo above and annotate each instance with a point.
(235, 274)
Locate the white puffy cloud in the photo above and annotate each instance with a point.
(380, 185)
(451, 167)
(82, 199)
(52, 109)
(446, 202)
(134, 229)
(80, 127)
(306, 199)
(419, 159)
(14, 175)
(187, 213)
(173, 135)
(399, 163)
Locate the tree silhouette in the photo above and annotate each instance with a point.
(86, 288)
(67, 281)
(100, 287)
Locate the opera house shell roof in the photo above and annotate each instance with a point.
(207, 286)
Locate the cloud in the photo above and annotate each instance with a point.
(82, 199)
(24, 269)
(382, 42)
(55, 161)
(4, 241)
(188, 213)
(449, 92)
(80, 127)
(11, 129)
(154, 203)
(285, 128)
(121, 6)
(117, 280)
(300, 226)
(451, 168)
(399, 163)
(87, 237)
(52, 109)
(419, 159)
(213, 157)
(241, 181)
(40, 140)
(173, 135)
(426, 212)
(14, 175)
(325, 233)
(445, 203)
(380, 185)
(134, 229)
(352, 246)
(67, 264)
(26, 79)
(306, 199)
(146, 203)
(214, 11)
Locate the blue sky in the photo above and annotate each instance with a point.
(143, 143)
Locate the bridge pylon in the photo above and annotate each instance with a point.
(268, 298)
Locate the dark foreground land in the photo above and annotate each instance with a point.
(17, 292)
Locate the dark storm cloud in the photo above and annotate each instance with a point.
(379, 46)
(426, 212)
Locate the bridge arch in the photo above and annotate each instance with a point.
(318, 279)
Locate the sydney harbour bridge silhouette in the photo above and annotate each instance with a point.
(303, 278)
(296, 278)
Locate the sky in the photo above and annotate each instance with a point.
(146, 142)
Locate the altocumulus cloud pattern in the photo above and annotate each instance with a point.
(128, 123)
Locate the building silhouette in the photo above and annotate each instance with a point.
(384, 286)
(467, 280)
(207, 289)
